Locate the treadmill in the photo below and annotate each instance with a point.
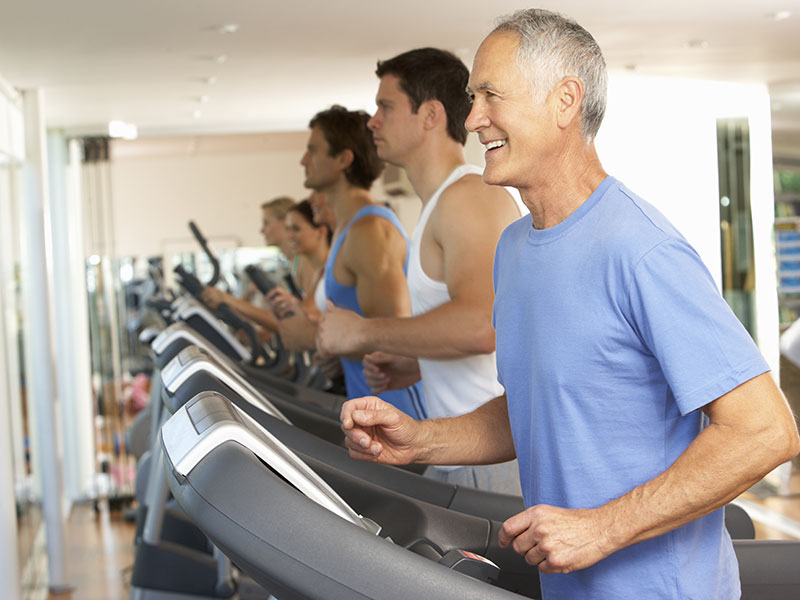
(305, 530)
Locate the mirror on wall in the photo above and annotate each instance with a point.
(736, 221)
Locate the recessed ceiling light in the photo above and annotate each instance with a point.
(696, 44)
(202, 99)
(224, 28)
(196, 114)
(210, 80)
(780, 15)
(120, 129)
(215, 58)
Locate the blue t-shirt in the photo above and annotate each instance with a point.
(409, 400)
(611, 334)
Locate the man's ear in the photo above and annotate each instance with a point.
(433, 114)
(569, 100)
(345, 158)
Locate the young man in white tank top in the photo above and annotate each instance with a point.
(448, 341)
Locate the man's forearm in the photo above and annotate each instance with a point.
(263, 317)
(450, 331)
(298, 333)
(718, 466)
(477, 438)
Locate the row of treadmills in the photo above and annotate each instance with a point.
(247, 492)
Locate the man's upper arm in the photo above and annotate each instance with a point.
(755, 410)
(375, 252)
(467, 224)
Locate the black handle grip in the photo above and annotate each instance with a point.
(292, 286)
(198, 236)
(204, 245)
(231, 318)
(264, 284)
(189, 282)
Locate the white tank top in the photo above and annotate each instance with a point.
(319, 295)
(451, 387)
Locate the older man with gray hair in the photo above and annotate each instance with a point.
(635, 401)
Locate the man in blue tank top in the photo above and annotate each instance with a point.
(366, 268)
(635, 401)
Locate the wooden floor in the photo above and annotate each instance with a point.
(99, 556)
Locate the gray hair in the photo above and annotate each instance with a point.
(551, 47)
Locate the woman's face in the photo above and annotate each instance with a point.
(272, 228)
(303, 236)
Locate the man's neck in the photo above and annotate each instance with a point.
(345, 201)
(562, 187)
(431, 164)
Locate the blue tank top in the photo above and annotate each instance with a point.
(410, 399)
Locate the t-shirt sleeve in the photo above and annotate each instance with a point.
(677, 311)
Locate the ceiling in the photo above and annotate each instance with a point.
(165, 66)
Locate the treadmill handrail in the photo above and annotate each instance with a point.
(209, 420)
(194, 308)
(211, 257)
(193, 359)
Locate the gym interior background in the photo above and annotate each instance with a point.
(703, 121)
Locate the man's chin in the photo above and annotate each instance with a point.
(493, 178)
(386, 158)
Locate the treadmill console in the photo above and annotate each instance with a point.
(209, 420)
(194, 359)
(197, 315)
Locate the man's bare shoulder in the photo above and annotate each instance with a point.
(369, 238)
(470, 198)
(370, 227)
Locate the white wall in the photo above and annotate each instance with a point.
(220, 182)
(659, 137)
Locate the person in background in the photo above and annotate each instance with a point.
(365, 270)
(273, 228)
(311, 241)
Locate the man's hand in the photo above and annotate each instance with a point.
(558, 540)
(339, 331)
(377, 431)
(383, 371)
(213, 297)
